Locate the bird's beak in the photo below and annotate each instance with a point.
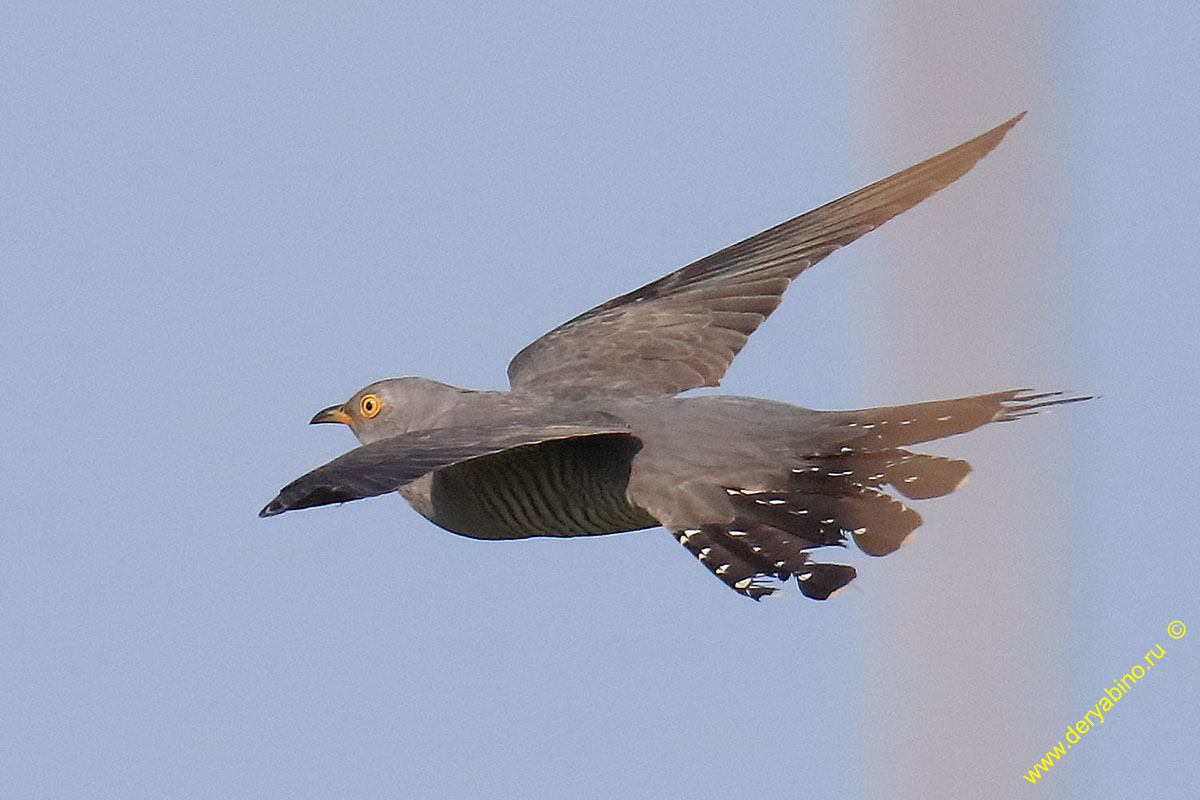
(331, 414)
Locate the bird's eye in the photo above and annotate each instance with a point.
(369, 405)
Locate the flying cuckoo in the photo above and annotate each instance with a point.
(594, 436)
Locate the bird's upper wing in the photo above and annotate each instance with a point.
(683, 330)
(386, 465)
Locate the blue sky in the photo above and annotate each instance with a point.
(220, 219)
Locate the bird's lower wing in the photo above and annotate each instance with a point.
(386, 465)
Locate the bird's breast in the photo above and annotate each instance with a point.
(559, 488)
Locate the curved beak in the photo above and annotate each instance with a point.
(331, 414)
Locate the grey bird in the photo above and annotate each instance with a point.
(593, 437)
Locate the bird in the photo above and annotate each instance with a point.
(596, 436)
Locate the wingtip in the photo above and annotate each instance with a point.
(1004, 127)
(272, 509)
(993, 137)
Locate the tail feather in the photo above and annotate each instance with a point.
(878, 522)
(871, 430)
(811, 518)
(836, 492)
(915, 475)
(750, 557)
(822, 580)
(775, 551)
(735, 565)
(892, 523)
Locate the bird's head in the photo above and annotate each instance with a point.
(391, 407)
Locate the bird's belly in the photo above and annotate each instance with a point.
(569, 487)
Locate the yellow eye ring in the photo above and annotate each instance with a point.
(370, 405)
